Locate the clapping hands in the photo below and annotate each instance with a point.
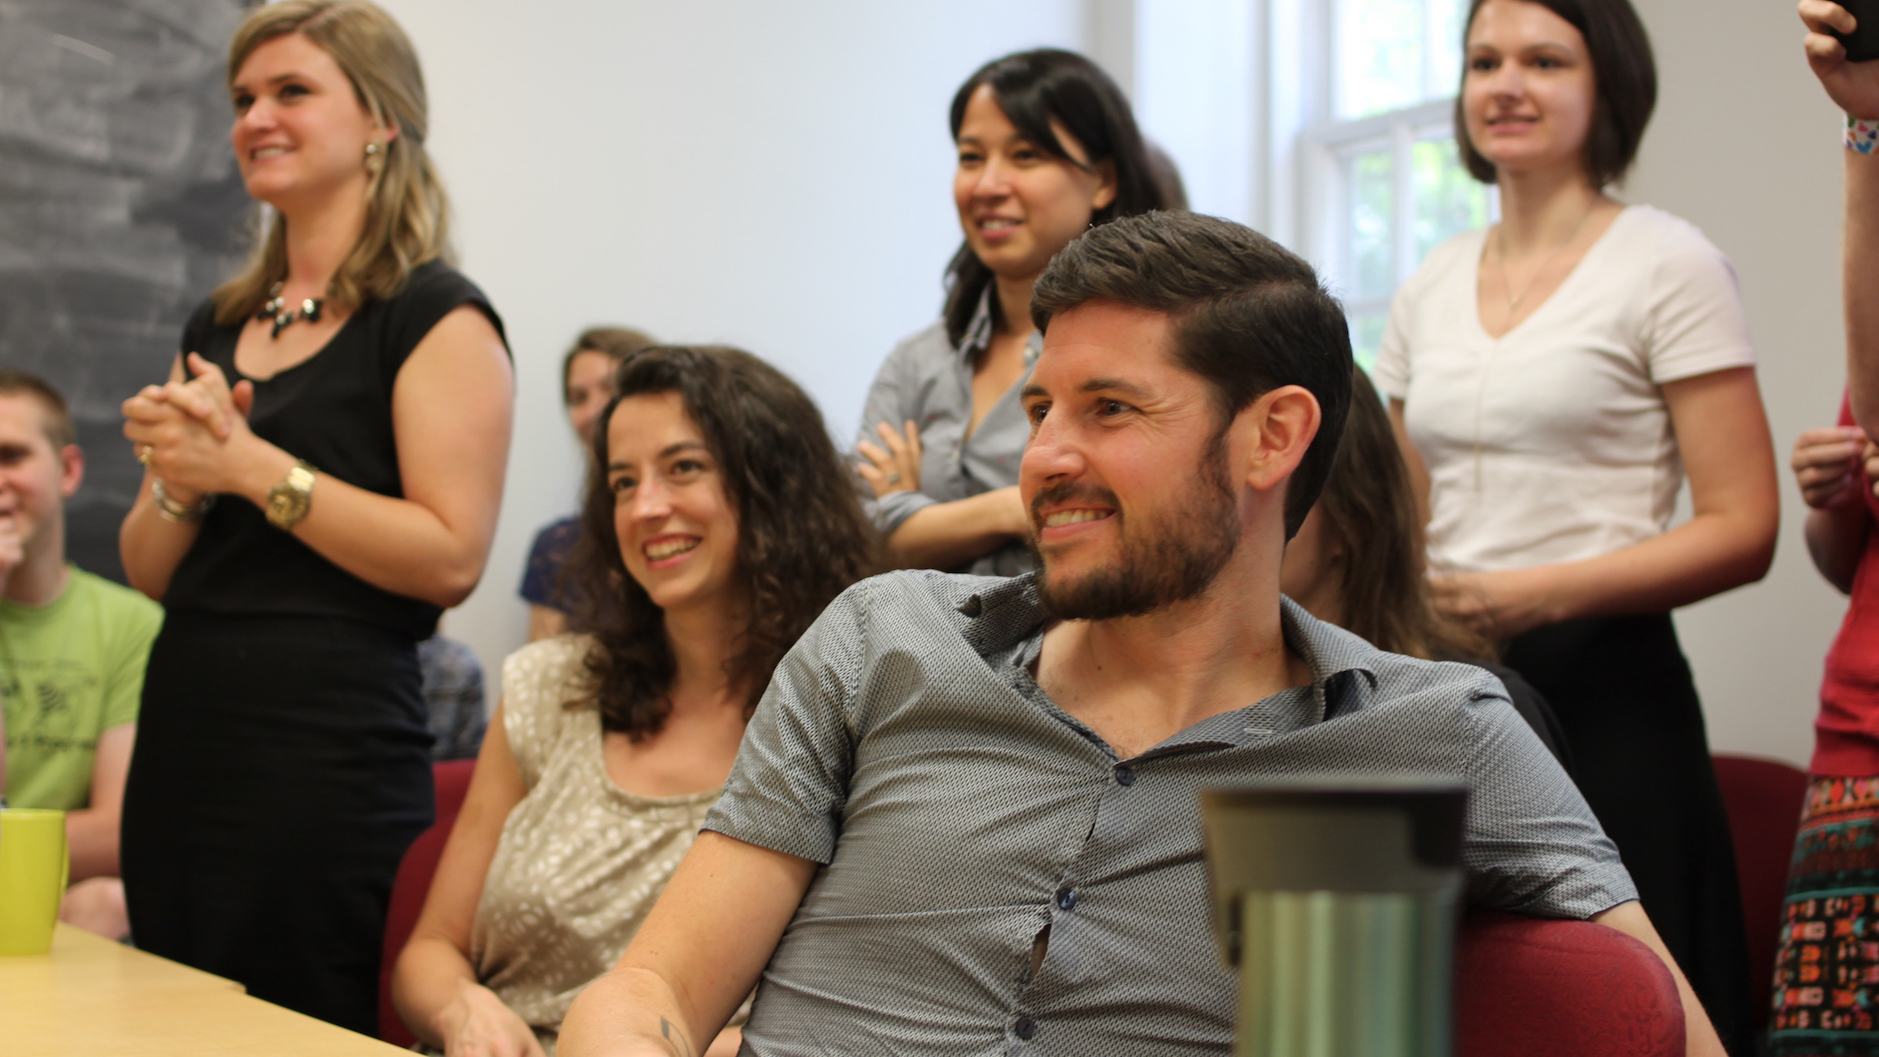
(191, 433)
(12, 545)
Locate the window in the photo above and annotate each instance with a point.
(1385, 185)
(1323, 123)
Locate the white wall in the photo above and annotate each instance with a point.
(776, 176)
(771, 175)
(1746, 146)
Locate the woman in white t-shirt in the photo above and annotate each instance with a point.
(1552, 379)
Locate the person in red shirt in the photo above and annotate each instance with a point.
(1821, 1001)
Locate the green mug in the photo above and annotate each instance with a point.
(33, 869)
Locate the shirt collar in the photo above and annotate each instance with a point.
(979, 332)
(1000, 613)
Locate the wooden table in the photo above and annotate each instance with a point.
(90, 996)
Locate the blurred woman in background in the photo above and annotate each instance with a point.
(325, 466)
(1553, 378)
(586, 387)
(719, 510)
(1047, 148)
(1357, 562)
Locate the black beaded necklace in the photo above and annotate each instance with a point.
(276, 310)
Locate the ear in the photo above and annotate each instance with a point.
(1276, 431)
(1106, 189)
(71, 470)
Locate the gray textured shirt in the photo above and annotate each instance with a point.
(928, 381)
(958, 812)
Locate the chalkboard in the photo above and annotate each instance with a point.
(120, 209)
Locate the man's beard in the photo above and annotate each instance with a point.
(1167, 558)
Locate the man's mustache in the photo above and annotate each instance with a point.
(1067, 492)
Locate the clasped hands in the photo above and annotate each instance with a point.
(1827, 464)
(1499, 605)
(192, 434)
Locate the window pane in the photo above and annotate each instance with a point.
(1448, 200)
(1395, 53)
(1443, 64)
(1370, 257)
(1367, 336)
(1379, 55)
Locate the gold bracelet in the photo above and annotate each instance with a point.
(170, 510)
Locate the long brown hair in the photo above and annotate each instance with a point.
(407, 215)
(801, 535)
(1371, 523)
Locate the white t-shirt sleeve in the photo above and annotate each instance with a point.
(1694, 323)
(1391, 371)
(1446, 264)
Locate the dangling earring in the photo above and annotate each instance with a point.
(374, 159)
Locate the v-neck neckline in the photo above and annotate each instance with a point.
(1474, 281)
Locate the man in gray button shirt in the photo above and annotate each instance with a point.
(963, 820)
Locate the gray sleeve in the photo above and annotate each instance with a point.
(789, 785)
(1533, 845)
(892, 399)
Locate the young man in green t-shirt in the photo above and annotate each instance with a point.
(72, 653)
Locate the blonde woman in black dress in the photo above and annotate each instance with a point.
(324, 470)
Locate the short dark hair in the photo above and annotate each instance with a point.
(57, 418)
(1249, 316)
(1623, 73)
(1033, 88)
(801, 535)
(616, 343)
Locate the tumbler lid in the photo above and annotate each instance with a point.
(1346, 833)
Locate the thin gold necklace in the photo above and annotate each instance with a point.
(1500, 248)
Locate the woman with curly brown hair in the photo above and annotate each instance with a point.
(722, 521)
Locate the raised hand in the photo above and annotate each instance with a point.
(1853, 86)
(896, 467)
(1826, 465)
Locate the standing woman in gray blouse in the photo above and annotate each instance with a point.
(1047, 149)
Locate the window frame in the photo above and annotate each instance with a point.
(1307, 200)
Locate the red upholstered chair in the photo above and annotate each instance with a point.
(1528, 987)
(1763, 798)
(414, 880)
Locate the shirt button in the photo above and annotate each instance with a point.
(1125, 775)
(1025, 1028)
(1067, 899)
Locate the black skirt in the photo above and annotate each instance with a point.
(1628, 707)
(282, 768)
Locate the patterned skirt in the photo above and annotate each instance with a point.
(1827, 969)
